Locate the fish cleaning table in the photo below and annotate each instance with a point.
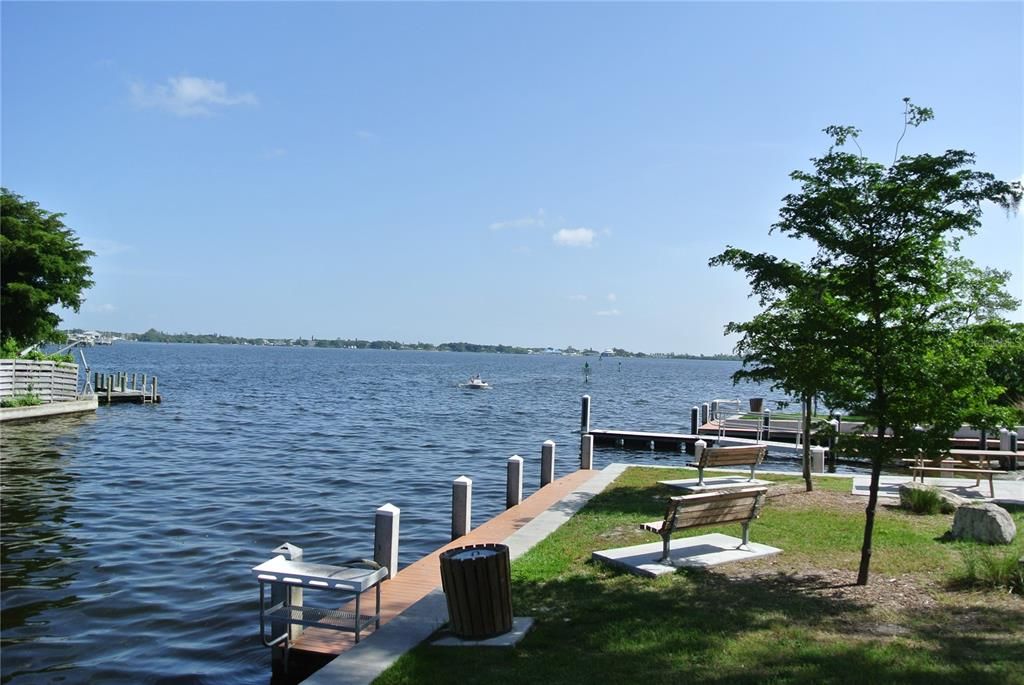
(348, 581)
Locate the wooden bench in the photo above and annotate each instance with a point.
(959, 461)
(741, 455)
(709, 509)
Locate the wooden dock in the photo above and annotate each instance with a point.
(417, 580)
(124, 389)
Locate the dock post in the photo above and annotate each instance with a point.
(547, 462)
(818, 459)
(513, 481)
(154, 397)
(587, 452)
(694, 419)
(462, 506)
(705, 413)
(279, 592)
(714, 410)
(385, 537)
(135, 379)
(585, 415)
(767, 425)
(109, 382)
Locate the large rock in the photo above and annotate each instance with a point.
(948, 500)
(984, 523)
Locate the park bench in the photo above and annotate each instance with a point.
(959, 461)
(709, 509)
(742, 455)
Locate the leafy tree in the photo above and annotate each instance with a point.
(888, 295)
(42, 264)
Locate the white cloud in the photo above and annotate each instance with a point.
(578, 298)
(608, 312)
(188, 96)
(612, 297)
(524, 222)
(574, 237)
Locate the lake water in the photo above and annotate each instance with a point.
(128, 535)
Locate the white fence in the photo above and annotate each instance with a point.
(49, 381)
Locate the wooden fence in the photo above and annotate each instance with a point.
(49, 381)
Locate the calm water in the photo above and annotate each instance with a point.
(128, 535)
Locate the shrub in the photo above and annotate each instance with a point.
(993, 567)
(26, 400)
(924, 501)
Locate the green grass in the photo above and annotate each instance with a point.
(763, 622)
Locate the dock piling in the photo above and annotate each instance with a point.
(694, 420)
(587, 452)
(514, 481)
(462, 506)
(547, 462)
(818, 459)
(585, 415)
(385, 537)
(705, 414)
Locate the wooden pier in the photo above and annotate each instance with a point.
(124, 389)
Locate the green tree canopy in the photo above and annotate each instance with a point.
(887, 295)
(42, 264)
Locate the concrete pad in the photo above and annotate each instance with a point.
(702, 551)
(717, 483)
(1007, 491)
(520, 627)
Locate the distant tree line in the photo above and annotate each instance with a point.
(153, 335)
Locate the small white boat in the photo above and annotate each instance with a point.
(477, 383)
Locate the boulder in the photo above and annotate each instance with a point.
(984, 523)
(949, 500)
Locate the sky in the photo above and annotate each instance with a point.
(537, 174)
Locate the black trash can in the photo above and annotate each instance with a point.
(478, 588)
(756, 405)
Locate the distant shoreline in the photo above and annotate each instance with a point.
(153, 335)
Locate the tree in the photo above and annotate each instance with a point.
(895, 297)
(42, 264)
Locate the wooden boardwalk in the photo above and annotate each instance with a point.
(415, 581)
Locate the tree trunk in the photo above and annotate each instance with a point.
(805, 412)
(869, 522)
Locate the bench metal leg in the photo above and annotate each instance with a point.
(700, 475)
(752, 467)
(665, 556)
(746, 536)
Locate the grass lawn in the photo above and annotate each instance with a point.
(793, 618)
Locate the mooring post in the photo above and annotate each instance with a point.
(587, 452)
(585, 415)
(135, 380)
(385, 537)
(767, 425)
(547, 462)
(153, 398)
(714, 410)
(110, 384)
(514, 481)
(705, 413)
(694, 418)
(818, 459)
(462, 506)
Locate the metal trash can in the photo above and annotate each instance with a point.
(756, 405)
(478, 588)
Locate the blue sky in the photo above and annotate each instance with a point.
(532, 174)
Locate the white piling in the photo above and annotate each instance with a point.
(462, 506)
(587, 452)
(585, 415)
(514, 481)
(818, 459)
(698, 449)
(1004, 439)
(547, 462)
(385, 537)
